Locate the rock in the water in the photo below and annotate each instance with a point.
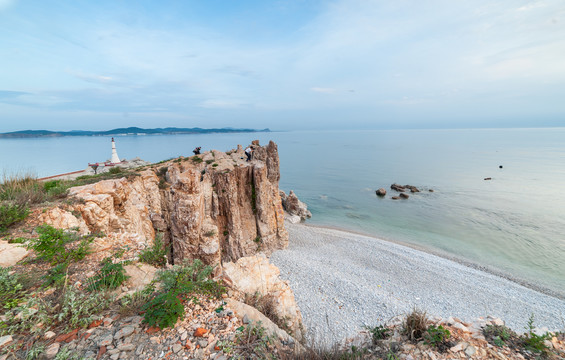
(381, 192)
(395, 198)
(404, 195)
(397, 187)
(488, 178)
(294, 206)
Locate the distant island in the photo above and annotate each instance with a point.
(123, 131)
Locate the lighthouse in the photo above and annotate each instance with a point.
(115, 158)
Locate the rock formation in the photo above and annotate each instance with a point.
(214, 207)
(294, 206)
(254, 274)
(381, 192)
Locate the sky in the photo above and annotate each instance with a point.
(283, 65)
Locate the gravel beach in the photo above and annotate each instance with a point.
(343, 281)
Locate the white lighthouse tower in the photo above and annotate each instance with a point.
(115, 158)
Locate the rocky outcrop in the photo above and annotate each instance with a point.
(294, 206)
(214, 207)
(381, 192)
(63, 219)
(255, 275)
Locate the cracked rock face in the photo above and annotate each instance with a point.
(214, 207)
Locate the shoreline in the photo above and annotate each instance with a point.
(444, 254)
(343, 281)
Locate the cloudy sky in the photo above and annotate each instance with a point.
(297, 64)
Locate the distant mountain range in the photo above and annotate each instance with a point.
(123, 131)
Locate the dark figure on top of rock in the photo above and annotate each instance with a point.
(249, 152)
(197, 151)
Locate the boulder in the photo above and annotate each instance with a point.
(11, 254)
(404, 195)
(294, 206)
(140, 275)
(63, 219)
(381, 192)
(255, 274)
(397, 187)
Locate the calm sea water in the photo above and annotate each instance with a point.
(514, 223)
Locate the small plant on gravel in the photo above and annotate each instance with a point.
(35, 352)
(156, 255)
(11, 293)
(415, 324)
(79, 309)
(437, 336)
(196, 159)
(110, 276)
(534, 342)
(380, 332)
(498, 334)
(66, 354)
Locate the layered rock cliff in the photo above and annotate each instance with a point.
(215, 207)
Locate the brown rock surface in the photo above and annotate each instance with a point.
(254, 274)
(215, 207)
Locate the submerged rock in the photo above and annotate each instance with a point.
(381, 192)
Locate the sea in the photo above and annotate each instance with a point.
(512, 224)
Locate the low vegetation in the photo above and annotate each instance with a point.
(155, 255)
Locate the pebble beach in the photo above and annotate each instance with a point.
(344, 281)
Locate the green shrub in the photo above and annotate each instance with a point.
(254, 343)
(156, 255)
(163, 310)
(48, 185)
(115, 170)
(132, 304)
(51, 246)
(209, 161)
(196, 159)
(22, 189)
(10, 214)
(10, 289)
(436, 335)
(110, 276)
(215, 165)
(380, 332)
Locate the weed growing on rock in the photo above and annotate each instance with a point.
(156, 255)
(35, 352)
(210, 233)
(437, 337)
(499, 335)
(266, 304)
(196, 159)
(133, 304)
(415, 324)
(534, 342)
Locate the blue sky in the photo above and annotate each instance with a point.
(281, 64)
